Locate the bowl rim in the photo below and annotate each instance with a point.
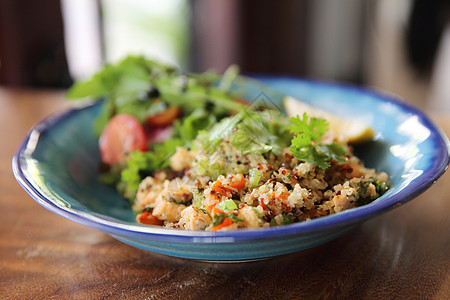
(342, 219)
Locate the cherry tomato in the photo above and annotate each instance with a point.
(165, 117)
(123, 133)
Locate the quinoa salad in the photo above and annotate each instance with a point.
(188, 153)
(227, 189)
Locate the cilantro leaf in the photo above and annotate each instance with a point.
(312, 127)
(307, 146)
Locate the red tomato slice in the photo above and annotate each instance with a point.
(123, 133)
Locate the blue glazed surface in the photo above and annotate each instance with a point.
(57, 164)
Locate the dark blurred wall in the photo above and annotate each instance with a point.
(263, 36)
(427, 22)
(32, 49)
(273, 36)
(308, 38)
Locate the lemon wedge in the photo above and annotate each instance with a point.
(343, 130)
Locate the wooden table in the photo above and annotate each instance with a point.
(402, 254)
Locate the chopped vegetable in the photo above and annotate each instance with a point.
(221, 222)
(147, 218)
(238, 181)
(254, 177)
(227, 205)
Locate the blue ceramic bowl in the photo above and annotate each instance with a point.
(57, 164)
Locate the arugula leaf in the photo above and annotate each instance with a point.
(306, 144)
(131, 85)
(124, 81)
(140, 110)
(189, 127)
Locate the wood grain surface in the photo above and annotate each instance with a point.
(402, 254)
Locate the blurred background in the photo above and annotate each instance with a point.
(402, 47)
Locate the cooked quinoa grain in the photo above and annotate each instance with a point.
(251, 190)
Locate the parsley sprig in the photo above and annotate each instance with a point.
(307, 146)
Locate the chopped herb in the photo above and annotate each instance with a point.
(205, 212)
(218, 219)
(234, 218)
(381, 187)
(180, 202)
(306, 144)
